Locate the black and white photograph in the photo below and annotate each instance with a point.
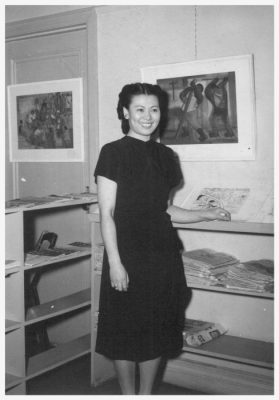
(139, 162)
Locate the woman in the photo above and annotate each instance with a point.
(143, 288)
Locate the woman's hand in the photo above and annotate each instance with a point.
(216, 213)
(118, 277)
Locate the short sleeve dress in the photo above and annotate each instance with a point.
(146, 321)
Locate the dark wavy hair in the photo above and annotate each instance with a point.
(134, 89)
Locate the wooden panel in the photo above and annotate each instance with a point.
(58, 307)
(14, 296)
(14, 236)
(233, 226)
(242, 350)
(243, 316)
(15, 353)
(18, 389)
(227, 379)
(58, 356)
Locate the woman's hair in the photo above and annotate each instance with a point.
(134, 89)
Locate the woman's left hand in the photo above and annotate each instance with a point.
(216, 213)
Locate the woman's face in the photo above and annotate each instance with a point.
(143, 115)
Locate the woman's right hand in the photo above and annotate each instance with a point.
(118, 277)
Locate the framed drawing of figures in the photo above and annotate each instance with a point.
(46, 121)
(211, 108)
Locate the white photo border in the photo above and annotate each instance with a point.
(243, 67)
(75, 154)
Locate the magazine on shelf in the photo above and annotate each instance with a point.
(197, 332)
(37, 257)
(85, 245)
(208, 258)
(244, 204)
(34, 201)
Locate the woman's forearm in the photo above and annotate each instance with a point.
(108, 231)
(184, 216)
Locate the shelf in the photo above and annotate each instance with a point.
(12, 380)
(60, 259)
(221, 289)
(54, 204)
(256, 228)
(247, 351)
(11, 325)
(59, 306)
(60, 355)
(11, 270)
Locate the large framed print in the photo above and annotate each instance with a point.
(211, 107)
(46, 121)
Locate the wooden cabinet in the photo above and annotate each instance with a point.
(240, 362)
(63, 311)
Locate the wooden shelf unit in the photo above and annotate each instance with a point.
(230, 364)
(19, 369)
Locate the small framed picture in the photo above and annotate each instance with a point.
(46, 121)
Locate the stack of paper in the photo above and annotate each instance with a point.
(205, 266)
(37, 257)
(255, 276)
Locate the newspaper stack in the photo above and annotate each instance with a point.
(205, 266)
(255, 276)
(198, 332)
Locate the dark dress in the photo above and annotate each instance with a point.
(146, 321)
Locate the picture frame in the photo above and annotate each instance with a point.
(211, 107)
(46, 121)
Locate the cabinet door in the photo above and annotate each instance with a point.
(44, 58)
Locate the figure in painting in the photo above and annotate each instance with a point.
(216, 93)
(194, 113)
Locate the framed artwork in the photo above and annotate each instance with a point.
(46, 121)
(211, 108)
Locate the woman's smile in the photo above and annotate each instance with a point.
(143, 115)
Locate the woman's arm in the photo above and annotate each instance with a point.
(107, 198)
(183, 216)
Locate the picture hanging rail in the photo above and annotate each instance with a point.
(211, 107)
(46, 121)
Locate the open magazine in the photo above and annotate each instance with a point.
(244, 204)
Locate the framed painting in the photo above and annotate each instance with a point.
(46, 121)
(211, 108)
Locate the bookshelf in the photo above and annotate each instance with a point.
(64, 290)
(240, 362)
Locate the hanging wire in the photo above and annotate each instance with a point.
(196, 28)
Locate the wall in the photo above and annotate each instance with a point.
(133, 37)
(18, 13)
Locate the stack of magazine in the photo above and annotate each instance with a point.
(198, 332)
(37, 257)
(254, 276)
(205, 266)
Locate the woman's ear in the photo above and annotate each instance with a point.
(125, 113)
